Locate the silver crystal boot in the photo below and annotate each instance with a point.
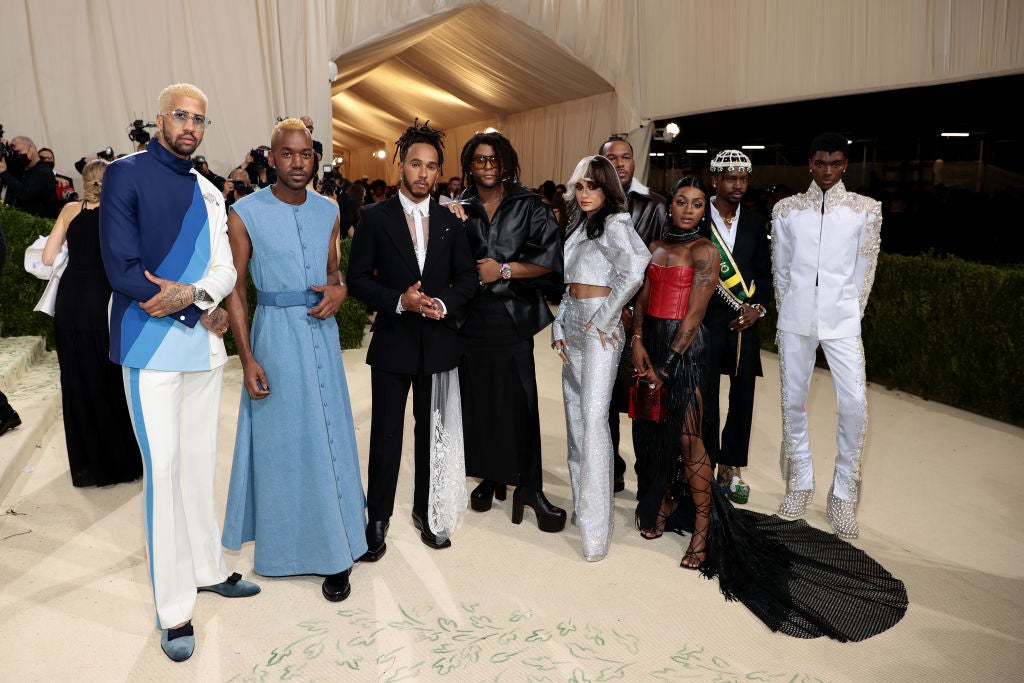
(794, 503)
(842, 514)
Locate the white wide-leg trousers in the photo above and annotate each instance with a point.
(175, 419)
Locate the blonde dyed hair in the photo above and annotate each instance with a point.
(92, 179)
(289, 124)
(180, 90)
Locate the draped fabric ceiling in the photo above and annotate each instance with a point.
(556, 76)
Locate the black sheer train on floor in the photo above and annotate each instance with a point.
(798, 580)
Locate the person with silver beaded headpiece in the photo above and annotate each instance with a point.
(744, 287)
(821, 288)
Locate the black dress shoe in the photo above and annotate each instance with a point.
(480, 499)
(9, 422)
(549, 517)
(428, 538)
(376, 532)
(336, 587)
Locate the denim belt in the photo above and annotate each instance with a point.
(304, 297)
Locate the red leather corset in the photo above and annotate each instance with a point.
(670, 291)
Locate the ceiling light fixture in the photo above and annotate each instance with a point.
(954, 135)
(696, 151)
(752, 147)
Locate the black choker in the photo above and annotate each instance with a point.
(675, 235)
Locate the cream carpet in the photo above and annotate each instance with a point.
(941, 509)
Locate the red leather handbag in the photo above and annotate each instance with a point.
(646, 403)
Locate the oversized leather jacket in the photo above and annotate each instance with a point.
(648, 211)
(524, 230)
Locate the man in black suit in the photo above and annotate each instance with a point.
(648, 211)
(410, 261)
(745, 285)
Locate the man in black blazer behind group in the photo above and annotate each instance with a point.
(731, 319)
(410, 261)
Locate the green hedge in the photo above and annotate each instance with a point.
(20, 291)
(948, 330)
(945, 329)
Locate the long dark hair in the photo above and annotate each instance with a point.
(599, 171)
(704, 226)
(507, 156)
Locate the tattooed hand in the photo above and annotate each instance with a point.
(215, 320)
(172, 297)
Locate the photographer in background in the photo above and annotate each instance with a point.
(65, 186)
(236, 186)
(31, 186)
(257, 166)
(199, 162)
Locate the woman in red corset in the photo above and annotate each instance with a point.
(670, 347)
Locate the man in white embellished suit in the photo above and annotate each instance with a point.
(825, 246)
(163, 235)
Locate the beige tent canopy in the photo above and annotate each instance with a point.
(557, 76)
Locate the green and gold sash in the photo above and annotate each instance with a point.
(731, 282)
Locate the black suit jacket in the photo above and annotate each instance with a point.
(753, 257)
(382, 265)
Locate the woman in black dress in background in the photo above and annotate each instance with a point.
(797, 579)
(101, 444)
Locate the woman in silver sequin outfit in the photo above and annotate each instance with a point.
(604, 266)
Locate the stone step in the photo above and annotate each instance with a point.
(35, 395)
(17, 354)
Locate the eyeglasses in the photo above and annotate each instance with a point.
(181, 117)
(480, 162)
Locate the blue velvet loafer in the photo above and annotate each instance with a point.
(233, 587)
(178, 643)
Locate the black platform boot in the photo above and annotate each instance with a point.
(480, 499)
(549, 517)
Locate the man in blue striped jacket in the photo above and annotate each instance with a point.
(163, 233)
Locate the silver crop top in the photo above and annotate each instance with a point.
(617, 259)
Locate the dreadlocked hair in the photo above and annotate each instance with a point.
(506, 154)
(419, 133)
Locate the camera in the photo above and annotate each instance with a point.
(107, 154)
(137, 132)
(260, 157)
(67, 194)
(5, 149)
(241, 188)
(331, 182)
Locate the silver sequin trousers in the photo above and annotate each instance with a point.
(587, 389)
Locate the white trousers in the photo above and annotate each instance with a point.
(846, 362)
(175, 419)
(587, 383)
